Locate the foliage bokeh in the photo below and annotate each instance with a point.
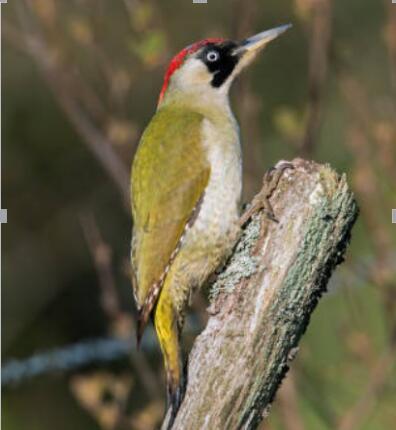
(80, 81)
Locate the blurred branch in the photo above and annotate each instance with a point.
(69, 358)
(378, 378)
(287, 404)
(104, 396)
(122, 323)
(72, 358)
(131, 6)
(244, 17)
(248, 108)
(101, 255)
(382, 132)
(369, 164)
(239, 360)
(320, 29)
(371, 141)
(64, 86)
(390, 40)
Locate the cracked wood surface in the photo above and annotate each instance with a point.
(262, 301)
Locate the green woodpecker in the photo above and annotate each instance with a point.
(186, 188)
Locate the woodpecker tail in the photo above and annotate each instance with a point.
(166, 326)
(174, 401)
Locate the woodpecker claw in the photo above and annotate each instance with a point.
(269, 213)
(261, 200)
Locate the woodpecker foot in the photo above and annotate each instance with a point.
(261, 200)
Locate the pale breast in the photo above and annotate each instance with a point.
(220, 206)
(214, 232)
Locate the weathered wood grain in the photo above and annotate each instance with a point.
(262, 301)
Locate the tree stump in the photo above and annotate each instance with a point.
(262, 301)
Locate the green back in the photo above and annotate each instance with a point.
(169, 175)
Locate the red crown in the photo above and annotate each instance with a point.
(178, 60)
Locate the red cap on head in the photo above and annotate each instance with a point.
(178, 60)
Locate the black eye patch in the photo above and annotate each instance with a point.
(225, 63)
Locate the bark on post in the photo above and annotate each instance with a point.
(262, 301)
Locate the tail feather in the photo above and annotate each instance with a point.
(146, 310)
(175, 398)
(166, 326)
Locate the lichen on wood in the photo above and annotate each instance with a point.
(262, 300)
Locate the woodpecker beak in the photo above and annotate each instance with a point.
(250, 47)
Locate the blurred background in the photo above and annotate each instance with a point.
(80, 82)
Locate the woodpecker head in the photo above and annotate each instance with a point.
(210, 66)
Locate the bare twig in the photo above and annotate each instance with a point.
(64, 85)
(249, 106)
(67, 359)
(101, 255)
(319, 46)
(122, 323)
(73, 358)
(390, 39)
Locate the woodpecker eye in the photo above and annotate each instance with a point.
(212, 56)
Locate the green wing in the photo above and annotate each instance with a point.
(169, 175)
